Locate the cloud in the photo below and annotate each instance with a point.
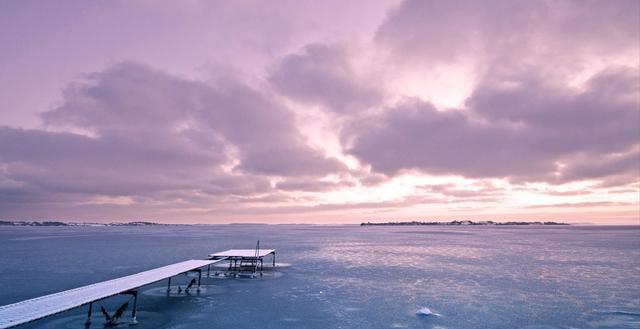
(142, 103)
(323, 74)
(583, 204)
(71, 163)
(505, 32)
(309, 185)
(148, 134)
(441, 51)
(550, 90)
(612, 167)
(482, 190)
(529, 129)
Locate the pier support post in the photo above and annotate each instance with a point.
(274, 259)
(135, 305)
(199, 278)
(261, 265)
(133, 293)
(169, 285)
(208, 270)
(88, 322)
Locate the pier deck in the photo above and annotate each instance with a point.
(37, 308)
(243, 253)
(246, 260)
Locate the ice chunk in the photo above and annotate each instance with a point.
(425, 311)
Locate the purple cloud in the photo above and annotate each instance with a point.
(142, 103)
(323, 74)
(510, 32)
(523, 131)
(151, 134)
(309, 185)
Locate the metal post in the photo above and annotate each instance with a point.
(209, 270)
(274, 259)
(169, 285)
(135, 305)
(88, 322)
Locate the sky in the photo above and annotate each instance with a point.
(320, 111)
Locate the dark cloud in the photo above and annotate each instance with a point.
(529, 130)
(323, 74)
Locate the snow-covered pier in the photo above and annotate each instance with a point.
(247, 260)
(30, 310)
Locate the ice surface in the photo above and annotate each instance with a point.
(346, 277)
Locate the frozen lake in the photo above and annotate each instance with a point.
(344, 276)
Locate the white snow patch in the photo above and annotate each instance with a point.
(425, 311)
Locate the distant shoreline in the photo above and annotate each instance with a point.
(459, 222)
(57, 223)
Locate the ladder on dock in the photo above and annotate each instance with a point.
(250, 264)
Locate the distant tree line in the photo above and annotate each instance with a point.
(458, 222)
(23, 223)
(56, 223)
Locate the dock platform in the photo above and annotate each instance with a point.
(245, 260)
(242, 253)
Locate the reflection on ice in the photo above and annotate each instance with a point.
(151, 319)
